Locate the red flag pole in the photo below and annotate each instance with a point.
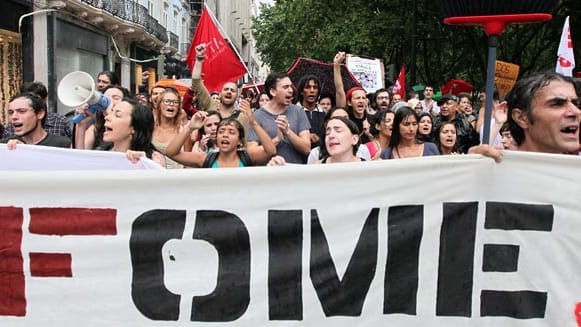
(222, 62)
(224, 34)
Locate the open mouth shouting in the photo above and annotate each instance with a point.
(571, 132)
(17, 126)
(449, 141)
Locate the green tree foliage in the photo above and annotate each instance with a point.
(384, 29)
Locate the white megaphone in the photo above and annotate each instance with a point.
(78, 88)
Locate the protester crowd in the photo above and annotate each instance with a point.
(288, 124)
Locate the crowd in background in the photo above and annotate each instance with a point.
(285, 123)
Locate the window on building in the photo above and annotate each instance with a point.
(175, 22)
(165, 14)
(151, 8)
(184, 28)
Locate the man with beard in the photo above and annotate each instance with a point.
(467, 136)
(309, 88)
(286, 123)
(355, 100)
(156, 91)
(27, 113)
(381, 99)
(357, 104)
(228, 94)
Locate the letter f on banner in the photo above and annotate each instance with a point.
(221, 64)
(565, 56)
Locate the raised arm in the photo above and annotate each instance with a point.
(340, 100)
(499, 112)
(200, 90)
(263, 152)
(174, 148)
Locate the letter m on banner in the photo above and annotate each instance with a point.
(221, 64)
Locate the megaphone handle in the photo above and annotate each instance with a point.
(78, 118)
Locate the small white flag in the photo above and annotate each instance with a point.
(565, 57)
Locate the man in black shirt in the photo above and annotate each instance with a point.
(27, 113)
(54, 123)
(308, 90)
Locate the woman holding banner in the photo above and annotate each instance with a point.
(129, 129)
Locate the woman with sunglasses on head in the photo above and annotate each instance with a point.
(230, 140)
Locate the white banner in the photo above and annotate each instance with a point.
(368, 71)
(438, 241)
(35, 157)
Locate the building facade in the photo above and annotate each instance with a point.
(235, 19)
(44, 40)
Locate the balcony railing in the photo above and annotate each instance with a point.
(133, 12)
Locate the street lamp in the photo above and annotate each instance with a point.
(494, 16)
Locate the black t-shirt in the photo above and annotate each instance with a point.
(49, 140)
(316, 119)
(359, 123)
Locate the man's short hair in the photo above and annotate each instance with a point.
(34, 87)
(270, 82)
(523, 94)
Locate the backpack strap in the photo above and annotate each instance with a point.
(245, 158)
(210, 158)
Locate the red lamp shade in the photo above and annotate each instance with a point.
(494, 15)
(456, 8)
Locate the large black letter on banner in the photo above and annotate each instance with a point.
(456, 266)
(405, 229)
(149, 233)
(285, 249)
(513, 216)
(343, 297)
(230, 299)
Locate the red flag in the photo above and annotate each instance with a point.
(221, 64)
(565, 55)
(399, 86)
